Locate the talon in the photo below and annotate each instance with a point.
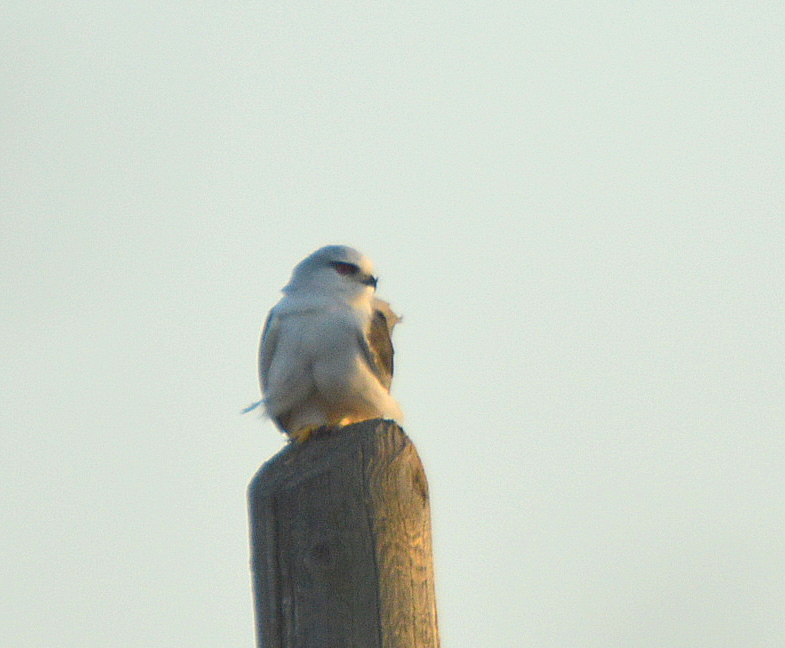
(303, 434)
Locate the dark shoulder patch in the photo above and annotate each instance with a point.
(381, 346)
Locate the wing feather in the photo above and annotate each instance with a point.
(266, 351)
(377, 345)
(267, 345)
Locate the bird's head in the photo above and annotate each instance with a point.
(334, 269)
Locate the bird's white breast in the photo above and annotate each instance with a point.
(318, 345)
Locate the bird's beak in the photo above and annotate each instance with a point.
(370, 280)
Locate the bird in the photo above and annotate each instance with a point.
(326, 354)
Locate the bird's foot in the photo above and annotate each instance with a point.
(303, 434)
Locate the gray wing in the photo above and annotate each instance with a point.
(266, 352)
(378, 348)
(267, 346)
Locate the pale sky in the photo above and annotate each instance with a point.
(577, 208)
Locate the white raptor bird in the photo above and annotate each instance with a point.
(326, 358)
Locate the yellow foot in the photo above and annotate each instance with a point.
(349, 420)
(303, 434)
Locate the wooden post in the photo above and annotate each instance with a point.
(341, 543)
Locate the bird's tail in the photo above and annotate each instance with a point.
(252, 407)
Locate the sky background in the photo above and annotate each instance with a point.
(577, 208)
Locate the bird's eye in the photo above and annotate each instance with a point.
(345, 268)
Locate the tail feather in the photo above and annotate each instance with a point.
(252, 407)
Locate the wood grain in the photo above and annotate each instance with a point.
(341, 543)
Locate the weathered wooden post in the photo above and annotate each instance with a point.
(341, 543)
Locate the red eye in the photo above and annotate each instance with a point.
(345, 268)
